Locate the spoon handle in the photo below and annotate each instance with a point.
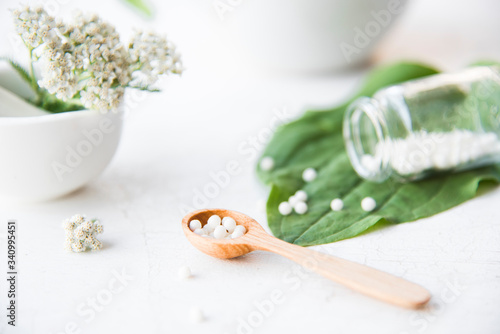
(366, 280)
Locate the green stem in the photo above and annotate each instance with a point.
(34, 84)
(85, 77)
(145, 88)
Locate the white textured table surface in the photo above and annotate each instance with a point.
(173, 142)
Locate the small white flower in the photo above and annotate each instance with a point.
(33, 25)
(77, 246)
(80, 234)
(98, 229)
(68, 224)
(78, 219)
(154, 56)
(87, 226)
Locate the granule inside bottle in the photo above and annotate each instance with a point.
(421, 151)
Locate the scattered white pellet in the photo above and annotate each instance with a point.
(194, 225)
(337, 204)
(300, 208)
(229, 223)
(184, 273)
(238, 231)
(285, 208)
(293, 200)
(201, 231)
(196, 315)
(309, 174)
(301, 195)
(214, 221)
(220, 232)
(267, 164)
(368, 204)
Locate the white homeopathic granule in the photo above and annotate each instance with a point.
(184, 272)
(267, 164)
(196, 315)
(285, 208)
(422, 150)
(225, 228)
(300, 208)
(296, 202)
(368, 204)
(309, 174)
(336, 204)
(301, 195)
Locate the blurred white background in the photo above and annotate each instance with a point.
(445, 33)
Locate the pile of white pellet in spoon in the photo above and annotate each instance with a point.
(225, 228)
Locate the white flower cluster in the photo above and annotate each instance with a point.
(81, 232)
(102, 59)
(59, 77)
(33, 25)
(155, 55)
(86, 60)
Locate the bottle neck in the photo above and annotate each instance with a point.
(367, 139)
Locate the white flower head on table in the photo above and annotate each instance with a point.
(84, 64)
(81, 233)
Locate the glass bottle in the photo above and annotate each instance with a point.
(444, 122)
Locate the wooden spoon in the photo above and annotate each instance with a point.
(369, 281)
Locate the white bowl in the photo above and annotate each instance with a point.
(45, 156)
(311, 35)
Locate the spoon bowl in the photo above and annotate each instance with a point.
(223, 248)
(366, 280)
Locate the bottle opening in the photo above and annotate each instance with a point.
(365, 133)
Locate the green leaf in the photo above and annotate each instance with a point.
(144, 88)
(47, 101)
(485, 63)
(23, 73)
(315, 140)
(54, 105)
(142, 6)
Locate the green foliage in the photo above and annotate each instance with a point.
(51, 103)
(43, 99)
(315, 140)
(141, 6)
(18, 68)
